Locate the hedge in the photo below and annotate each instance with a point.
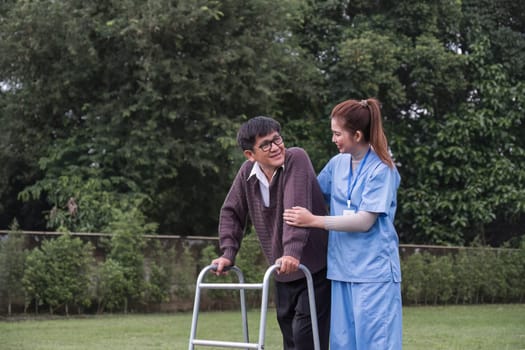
(464, 276)
(470, 276)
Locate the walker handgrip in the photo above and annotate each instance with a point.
(224, 269)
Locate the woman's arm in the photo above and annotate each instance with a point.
(360, 221)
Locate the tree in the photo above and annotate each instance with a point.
(475, 163)
(143, 97)
(450, 103)
(140, 101)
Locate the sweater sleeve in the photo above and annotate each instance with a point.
(233, 216)
(299, 180)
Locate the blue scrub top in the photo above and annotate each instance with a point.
(371, 256)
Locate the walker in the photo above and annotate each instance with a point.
(241, 286)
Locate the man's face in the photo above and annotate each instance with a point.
(268, 151)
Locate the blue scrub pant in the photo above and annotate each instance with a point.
(366, 316)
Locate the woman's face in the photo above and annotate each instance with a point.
(343, 139)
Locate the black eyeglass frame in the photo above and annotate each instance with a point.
(266, 146)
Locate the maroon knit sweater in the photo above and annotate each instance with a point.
(295, 185)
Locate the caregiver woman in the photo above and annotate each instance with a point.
(361, 185)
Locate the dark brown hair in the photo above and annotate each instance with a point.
(365, 115)
(256, 126)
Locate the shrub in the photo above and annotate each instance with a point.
(252, 264)
(12, 261)
(440, 279)
(470, 276)
(58, 273)
(414, 276)
(127, 248)
(465, 278)
(111, 286)
(514, 264)
(184, 274)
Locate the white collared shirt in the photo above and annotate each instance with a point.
(264, 185)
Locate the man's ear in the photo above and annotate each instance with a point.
(249, 155)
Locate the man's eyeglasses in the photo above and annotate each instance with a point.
(266, 146)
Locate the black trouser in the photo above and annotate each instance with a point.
(293, 312)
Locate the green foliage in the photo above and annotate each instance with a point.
(58, 273)
(366, 66)
(126, 277)
(452, 106)
(414, 277)
(160, 272)
(249, 260)
(12, 261)
(139, 102)
(127, 244)
(83, 205)
(35, 280)
(439, 288)
(110, 286)
(184, 274)
(470, 276)
(514, 265)
(143, 96)
(220, 295)
(475, 174)
(157, 287)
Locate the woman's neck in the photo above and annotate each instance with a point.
(360, 152)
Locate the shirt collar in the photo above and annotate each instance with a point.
(257, 172)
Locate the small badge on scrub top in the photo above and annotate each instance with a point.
(350, 210)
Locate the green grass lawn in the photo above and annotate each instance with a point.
(490, 327)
